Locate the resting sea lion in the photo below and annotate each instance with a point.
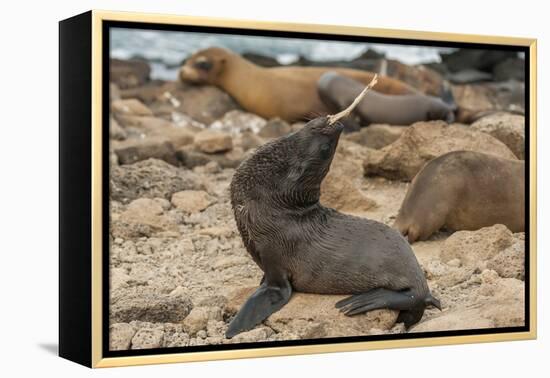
(288, 92)
(464, 190)
(303, 246)
(338, 91)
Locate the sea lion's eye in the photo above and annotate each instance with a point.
(325, 151)
(204, 65)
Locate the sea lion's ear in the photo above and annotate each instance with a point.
(222, 61)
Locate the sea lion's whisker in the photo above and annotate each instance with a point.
(332, 119)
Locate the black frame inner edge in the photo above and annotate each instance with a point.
(107, 25)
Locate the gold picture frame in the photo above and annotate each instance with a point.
(93, 24)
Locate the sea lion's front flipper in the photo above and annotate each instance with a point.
(265, 301)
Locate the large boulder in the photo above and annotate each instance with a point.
(341, 189)
(475, 248)
(150, 178)
(424, 141)
(506, 127)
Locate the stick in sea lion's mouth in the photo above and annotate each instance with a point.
(332, 119)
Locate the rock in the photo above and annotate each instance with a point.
(150, 178)
(274, 128)
(510, 263)
(145, 304)
(116, 131)
(191, 201)
(198, 319)
(114, 92)
(261, 60)
(340, 189)
(248, 140)
(503, 306)
(375, 136)
(475, 248)
(128, 73)
(424, 141)
(211, 141)
(311, 314)
(202, 103)
(131, 107)
(237, 121)
(420, 77)
(120, 336)
(252, 336)
(118, 278)
(148, 338)
(192, 158)
(510, 69)
(468, 76)
(147, 215)
(483, 60)
(145, 124)
(475, 99)
(145, 148)
(506, 127)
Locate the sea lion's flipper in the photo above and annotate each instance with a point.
(376, 299)
(265, 301)
(411, 306)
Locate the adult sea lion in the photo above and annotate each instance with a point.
(288, 92)
(303, 246)
(338, 91)
(464, 190)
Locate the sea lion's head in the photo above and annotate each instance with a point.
(287, 172)
(205, 66)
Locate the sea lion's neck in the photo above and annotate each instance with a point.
(238, 70)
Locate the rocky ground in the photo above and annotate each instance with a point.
(179, 271)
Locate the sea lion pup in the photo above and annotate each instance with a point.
(464, 190)
(288, 92)
(338, 91)
(303, 246)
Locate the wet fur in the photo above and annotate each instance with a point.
(295, 240)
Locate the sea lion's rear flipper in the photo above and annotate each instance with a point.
(265, 301)
(411, 306)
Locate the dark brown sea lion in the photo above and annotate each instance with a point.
(338, 91)
(303, 246)
(464, 190)
(288, 92)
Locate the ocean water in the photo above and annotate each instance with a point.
(165, 50)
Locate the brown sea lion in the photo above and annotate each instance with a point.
(464, 190)
(288, 92)
(338, 91)
(303, 246)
